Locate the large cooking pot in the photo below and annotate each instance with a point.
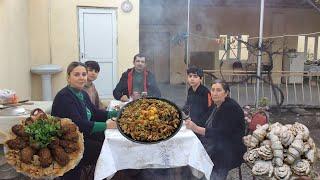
(129, 137)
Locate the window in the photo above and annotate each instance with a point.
(318, 51)
(310, 48)
(310, 45)
(223, 47)
(231, 49)
(301, 41)
(243, 49)
(233, 54)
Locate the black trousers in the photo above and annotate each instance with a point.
(92, 148)
(219, 174)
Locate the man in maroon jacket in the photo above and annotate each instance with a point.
(136, 80)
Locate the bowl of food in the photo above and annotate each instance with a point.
(43, 146)
(149, 120)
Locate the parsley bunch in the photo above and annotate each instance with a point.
(43, 131)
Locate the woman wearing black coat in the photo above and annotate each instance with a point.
(225, 127)
(74, 103)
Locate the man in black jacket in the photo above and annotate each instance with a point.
(136, 80)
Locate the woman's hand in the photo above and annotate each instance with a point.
(111, 124)
(124, 98)
(190, 125)
(197, 129)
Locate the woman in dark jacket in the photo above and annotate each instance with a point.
(74, 103)
(225, 127)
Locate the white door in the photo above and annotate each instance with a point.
(98, 41)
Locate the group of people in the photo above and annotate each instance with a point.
(217, 119)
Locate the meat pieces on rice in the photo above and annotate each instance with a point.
(26, 154)
(18, 129)
(71, 136)
(17, 143)
(45, 157)
(60, 155)
(68, 128)
(69, 146)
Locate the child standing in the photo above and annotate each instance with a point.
(93, 72)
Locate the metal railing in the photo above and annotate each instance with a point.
(299, 88)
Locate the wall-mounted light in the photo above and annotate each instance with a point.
(126, 6)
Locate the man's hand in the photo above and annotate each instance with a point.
(111, 124)
(124, 98)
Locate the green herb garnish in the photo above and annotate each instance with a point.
(43, 131)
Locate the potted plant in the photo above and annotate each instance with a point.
(292, 53)
(308, 62)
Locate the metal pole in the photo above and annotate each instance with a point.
(260, 52)
(188, 34)
(187, 46)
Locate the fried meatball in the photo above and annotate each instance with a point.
(38, 114)
(17, 143)
(26, 154)
(45, 157)
(54, 143)
(68, 128)
(42, 116)
(69, 146)
(25, 139)
(60, 155)
(28, 121)
(18, 129)
(71, 136)
(35, 146)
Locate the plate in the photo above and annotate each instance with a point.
(36, 171)
(13, 111)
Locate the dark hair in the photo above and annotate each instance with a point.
(223, 83)
(195, 70)
(93, 65)
(139, 55)
(73, 65)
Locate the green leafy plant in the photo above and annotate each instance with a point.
(308, 62)
(292, 50)
(263, 102)
(292, 53)
(310, 56)
(43, 131)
